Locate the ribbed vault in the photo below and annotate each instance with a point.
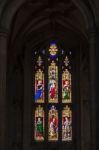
(44, 21)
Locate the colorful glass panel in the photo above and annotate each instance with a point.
(46, 73)
(53, 83)
(66, 124)
(39, 124)
(66, 86)
(53, 51)
(39, 86)
(66, 61)
(39, 61)
(53, 124)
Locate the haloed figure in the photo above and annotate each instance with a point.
(39, 90)
(53, 127)
(66, 88)
(52, 89)
(66, 127)
(39, 128)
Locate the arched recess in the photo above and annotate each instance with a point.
(21, 41)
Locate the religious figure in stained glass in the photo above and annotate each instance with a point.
(66, 87)
(66, 124)
(53, 83)
(53, 124)
(39, 86)
(39, 124)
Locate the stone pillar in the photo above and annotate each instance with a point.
(88, 94)
(84, 98)
(27, 132)
(92, 56)
(97, 88)
(3, 102)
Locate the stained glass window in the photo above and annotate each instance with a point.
(53, 83)
(66, 124)
(39, 86)
(39, 124)
(39, 80)
(53, 74)
(66, 86)
(53, 124)
(52, 94)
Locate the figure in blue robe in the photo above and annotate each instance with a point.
(38, 93)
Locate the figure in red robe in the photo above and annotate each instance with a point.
(52, 89)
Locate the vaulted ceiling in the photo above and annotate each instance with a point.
(42, 21)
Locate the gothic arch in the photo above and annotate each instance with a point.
(17, 64)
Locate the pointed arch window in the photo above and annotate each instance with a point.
(52, 94)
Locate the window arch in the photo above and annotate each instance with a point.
(52, 94)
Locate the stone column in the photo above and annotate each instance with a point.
(92, 56)
(27, 132)
(97, 88)
(3, 102)
(84, 97)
